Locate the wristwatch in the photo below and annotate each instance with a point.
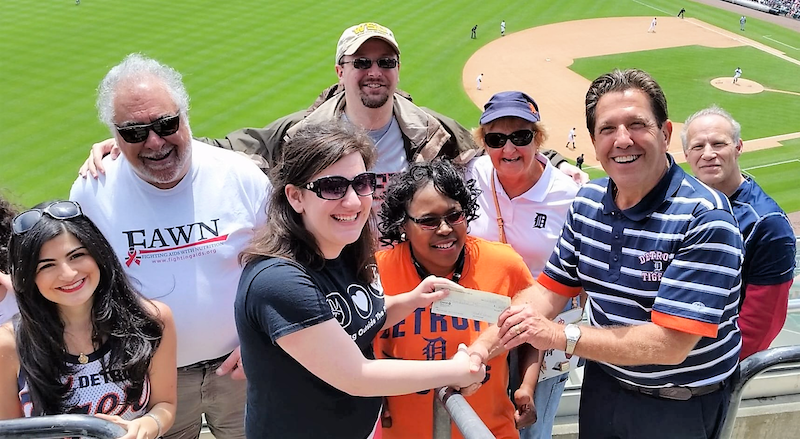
(573, 334)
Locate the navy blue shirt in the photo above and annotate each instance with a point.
(672, 259)
(769, 241)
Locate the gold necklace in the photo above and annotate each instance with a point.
(82, 358)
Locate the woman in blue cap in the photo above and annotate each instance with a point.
(524, 202)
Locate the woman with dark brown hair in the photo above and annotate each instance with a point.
(310, 304)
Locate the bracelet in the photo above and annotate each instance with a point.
(158, 423)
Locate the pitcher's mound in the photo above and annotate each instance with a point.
(744, 86)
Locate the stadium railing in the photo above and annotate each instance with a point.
(60, 426)
(748, 369)
(450, 404)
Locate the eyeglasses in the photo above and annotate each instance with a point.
(335, 187)
(60, 210)
(434, 222)
(519, 138)
(365, 63)
(163, 127)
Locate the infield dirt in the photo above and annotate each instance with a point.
(544, 71)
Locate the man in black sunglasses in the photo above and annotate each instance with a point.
(367, 63)
(367, 95)
(178, 212)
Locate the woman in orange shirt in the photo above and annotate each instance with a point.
(424, 218)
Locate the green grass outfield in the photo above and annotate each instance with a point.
(247, 62)
(686, 86)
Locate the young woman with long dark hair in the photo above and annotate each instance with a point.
(85, 341)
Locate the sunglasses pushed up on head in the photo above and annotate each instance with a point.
(518, 138)
(59, 210)
(163, 127)
(335, 187)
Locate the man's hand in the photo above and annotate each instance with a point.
(523, 324)
(233, 365)
(472, 376)
(478, 356)
(470, 390)
(525, 415)
(573, 171)
(94, 164)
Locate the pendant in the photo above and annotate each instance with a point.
(82, 358)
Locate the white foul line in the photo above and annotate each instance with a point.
(771, 164)
(779, 42)
(653, 7)
(747, 42)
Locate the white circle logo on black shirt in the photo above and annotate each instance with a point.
(361, 300)
(340, 309)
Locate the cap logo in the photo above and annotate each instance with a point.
(371, 27)
(533, 109)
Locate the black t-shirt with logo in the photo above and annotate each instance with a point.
(277, 297)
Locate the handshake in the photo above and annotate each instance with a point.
(470, 370)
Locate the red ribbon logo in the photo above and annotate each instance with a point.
(133, 256)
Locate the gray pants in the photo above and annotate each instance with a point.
(221, 398)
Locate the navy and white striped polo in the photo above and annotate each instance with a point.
(673, 259)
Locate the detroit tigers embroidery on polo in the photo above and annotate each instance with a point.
(675, 256)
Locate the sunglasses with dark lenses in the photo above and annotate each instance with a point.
(163, 127)
(519, 138)
(434, 222)
(60, 210)
(335, 187)
(365, 63)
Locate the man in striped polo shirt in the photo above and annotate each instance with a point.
(659, 255)
(712, 143)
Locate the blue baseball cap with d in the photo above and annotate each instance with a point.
(510, 104)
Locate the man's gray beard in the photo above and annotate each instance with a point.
(374, 102)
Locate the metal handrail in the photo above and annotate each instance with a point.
(458, 409)
(748, 369)
(59, 426)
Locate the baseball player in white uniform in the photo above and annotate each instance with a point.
(571, 138)
(737, 74)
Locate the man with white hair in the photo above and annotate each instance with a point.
(178, 212)
(367, 64)
(712, 144)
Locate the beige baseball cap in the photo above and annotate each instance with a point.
(353, 37)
